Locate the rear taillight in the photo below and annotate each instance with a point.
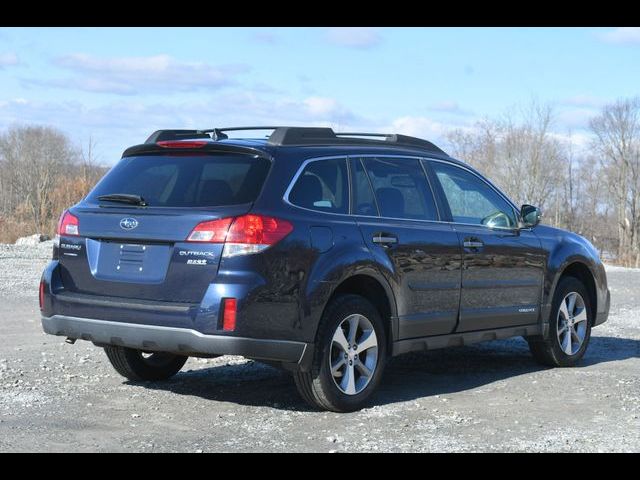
(181, 144)
(242, 235)
(258, 229)
(68, 225)
(41, 294)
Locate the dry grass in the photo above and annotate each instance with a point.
(67, 192)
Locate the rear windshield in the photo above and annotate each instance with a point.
(186, 181)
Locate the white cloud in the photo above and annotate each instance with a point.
(118, 125)
(622, 35)
(321, 106)
(8, 59)
(135, 75)
(574, 118)
(421, 127)
(354, 37)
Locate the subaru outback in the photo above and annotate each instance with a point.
(322, 253)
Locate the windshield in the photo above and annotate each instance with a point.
(185, 181)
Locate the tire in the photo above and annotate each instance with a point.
(554, 350)
(134, 365)
(351, 387)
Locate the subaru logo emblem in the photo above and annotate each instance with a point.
(128, 223)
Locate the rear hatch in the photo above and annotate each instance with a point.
(139, 249)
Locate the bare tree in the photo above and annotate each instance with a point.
(617, 139)
(32, 158)
(518, 153)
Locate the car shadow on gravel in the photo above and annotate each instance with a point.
(250, 384)
(407, 377)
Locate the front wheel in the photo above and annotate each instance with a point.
(349, 358)
(569, 327)
(137, 365)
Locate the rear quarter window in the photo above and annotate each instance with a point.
(323, 185)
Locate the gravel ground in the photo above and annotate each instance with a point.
(488, 397)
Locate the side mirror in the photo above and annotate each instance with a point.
(530, 215)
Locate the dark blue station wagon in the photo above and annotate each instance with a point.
(318, 252)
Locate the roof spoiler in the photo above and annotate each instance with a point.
(164, 135)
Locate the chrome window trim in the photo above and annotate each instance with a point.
(346, 158)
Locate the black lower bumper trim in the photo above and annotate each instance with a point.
(170, 339)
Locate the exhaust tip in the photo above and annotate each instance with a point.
(70, 340)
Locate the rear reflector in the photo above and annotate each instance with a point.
(181, 144)
(68, 225)
(41, 294)
(242, 235)
(229, 306)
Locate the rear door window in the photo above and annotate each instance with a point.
(187, 181)
(323, 185)
(401, 188)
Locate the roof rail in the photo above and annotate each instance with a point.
(326, 136)
(286, 136)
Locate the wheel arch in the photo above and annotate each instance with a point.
(580, 271)
(373, 287)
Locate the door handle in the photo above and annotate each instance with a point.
(384, 239)
(473, 243)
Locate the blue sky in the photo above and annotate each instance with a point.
(117, 85)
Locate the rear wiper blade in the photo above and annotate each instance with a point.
(124, 198)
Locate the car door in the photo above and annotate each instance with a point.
(502, 265)
(397, 215)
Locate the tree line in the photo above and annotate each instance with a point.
(592, 188)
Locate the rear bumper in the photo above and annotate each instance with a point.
(176, 340)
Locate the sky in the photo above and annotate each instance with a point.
(117, 85)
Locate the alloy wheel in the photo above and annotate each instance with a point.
(572, 323)
(354, 354)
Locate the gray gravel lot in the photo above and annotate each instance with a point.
(489, 397)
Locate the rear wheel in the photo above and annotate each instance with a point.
(144, 366)
(569, 327)
(349, 358)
